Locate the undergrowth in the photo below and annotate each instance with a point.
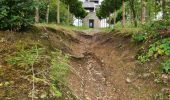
(158, 45)
(59, 70)
(166, 66)
(27, 57)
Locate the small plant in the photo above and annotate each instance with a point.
(59, 70)
(25, 58)
(143, 58)
(138, 37)
(166, 66)
(55, 90)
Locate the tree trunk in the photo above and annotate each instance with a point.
(48, 10)
(78, 22)
(133, 12)
(37, 14)
(58, 12)
(143, 12)
(164, 9)
(131, 16)
(155, 9)
(115, 16)
(109, 20)
(123, 14)
(68, 17)
(71, 19)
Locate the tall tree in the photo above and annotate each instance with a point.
(115, 14)
(132, 7)
(48, 10)
(16, 14)
(37, 16)
(58, 11)
(143, 11)
(164, 9)
(68, 13)
(123, 13)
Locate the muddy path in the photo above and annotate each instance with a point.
(103, 69)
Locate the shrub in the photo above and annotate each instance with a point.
(166, 66)
(16, 14)
(25, 57)
(161, 47)
(156, 25)
(138, 37)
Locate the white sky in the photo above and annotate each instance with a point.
(99, 0)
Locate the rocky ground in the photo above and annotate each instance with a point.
(105, 68)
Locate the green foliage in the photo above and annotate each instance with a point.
(138, 37)
(156, 25)
(59, 67)
(16, 14)
(25, 57)
(76, 8)
(52, 12)
(143, 58)
(58, 71)
(159, 48)
(107, 7)
(166, 66)
(55, 90)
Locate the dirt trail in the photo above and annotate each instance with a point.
(103, 69)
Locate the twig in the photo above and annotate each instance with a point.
(33, 84)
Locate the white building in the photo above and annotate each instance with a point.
(91, 20)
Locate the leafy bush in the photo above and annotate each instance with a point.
(152, 28)
(16, 14)
(160, 47)
(166, 66)
(156, 25)
(138, 37)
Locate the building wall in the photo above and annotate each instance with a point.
(91, 15)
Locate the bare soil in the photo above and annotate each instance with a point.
(104, 67)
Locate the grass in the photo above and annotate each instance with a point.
(128, 28)
(72, 28)
(66, 27)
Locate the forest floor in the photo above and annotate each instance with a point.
(104, 66)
